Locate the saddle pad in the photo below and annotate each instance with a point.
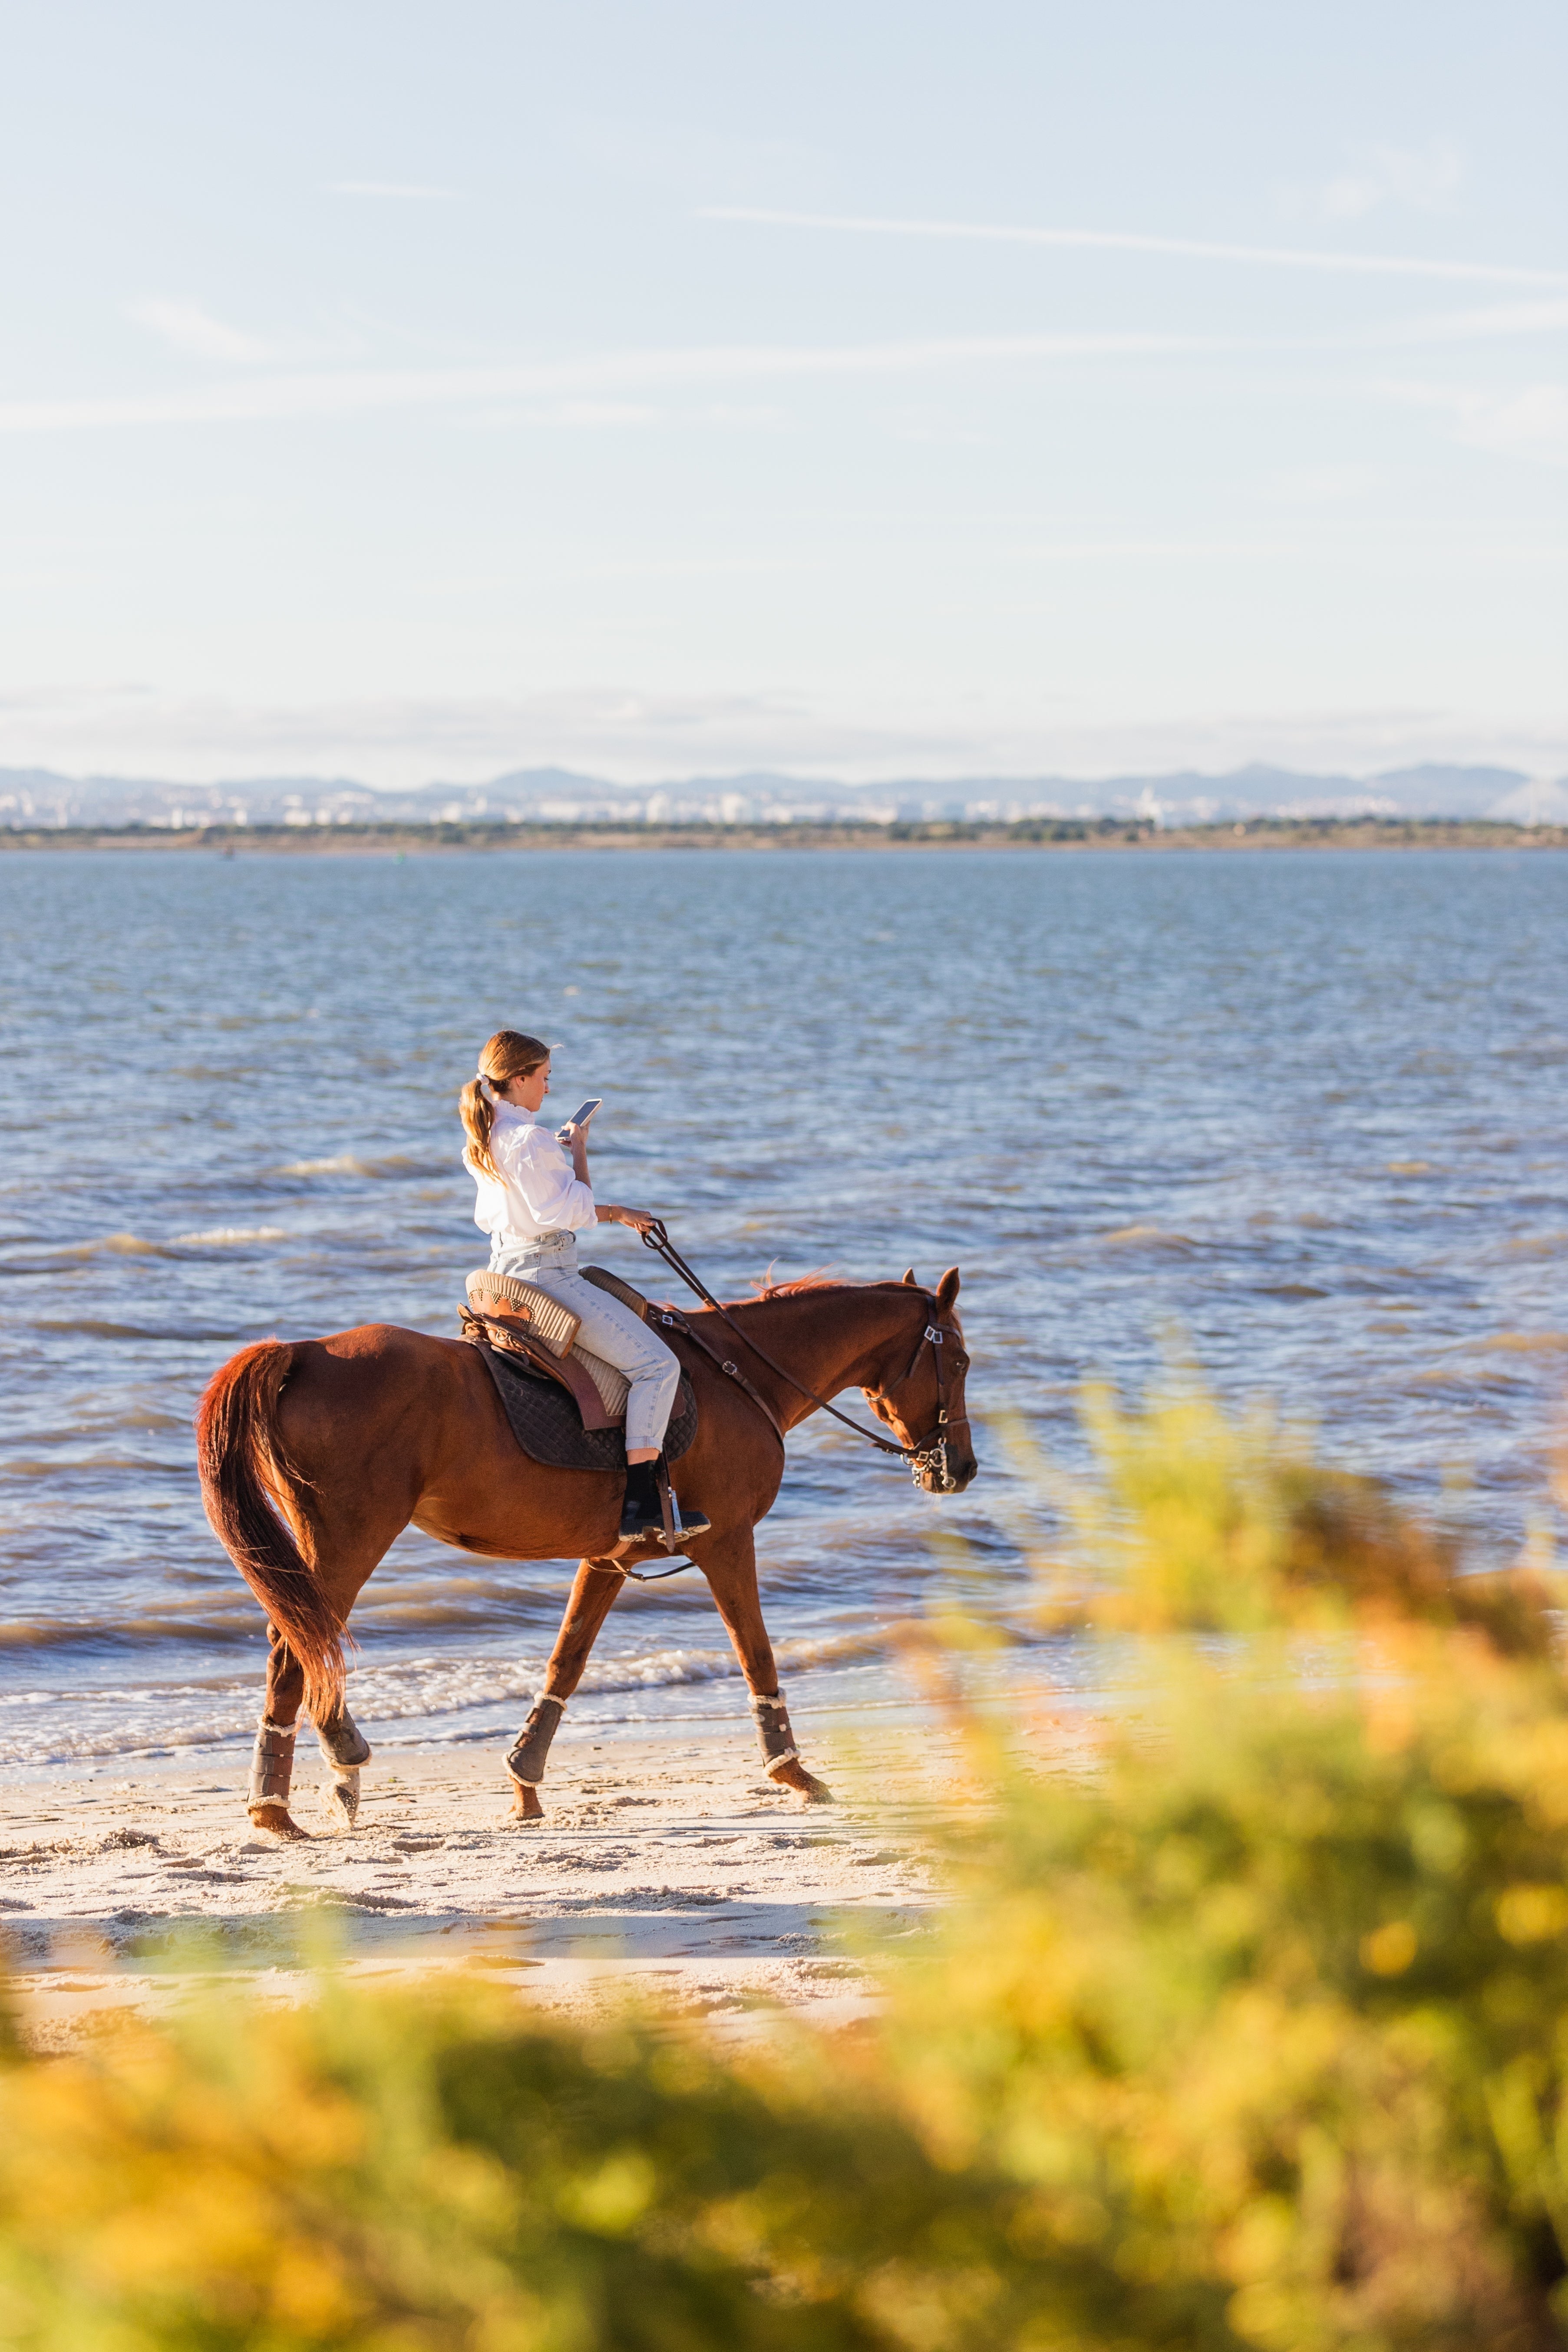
(548, 1426)
(553, 1324)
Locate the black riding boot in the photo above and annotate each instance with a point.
(642, 1514)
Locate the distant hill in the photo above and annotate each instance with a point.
(34, 797)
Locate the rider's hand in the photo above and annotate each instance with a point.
(639, 1220)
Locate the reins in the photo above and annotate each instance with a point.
(932, 1454)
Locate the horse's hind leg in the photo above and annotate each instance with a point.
(342, 1742)
(344, 1748)
(272, 1759)
(349, 1537)
(730, 1564)
(594, 1591)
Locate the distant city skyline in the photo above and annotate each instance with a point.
(33, 798)
(855, 393)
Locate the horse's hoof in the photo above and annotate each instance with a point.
(277, 1819)
(793, 1775)
(525, 1804)
(340, 1796)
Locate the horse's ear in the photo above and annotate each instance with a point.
(947, 1290)
(909, 1277)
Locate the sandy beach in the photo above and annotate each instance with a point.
(669, 1867)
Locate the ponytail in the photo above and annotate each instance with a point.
(478, 1115)
(511, 1053)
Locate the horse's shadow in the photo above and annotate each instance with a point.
(72, 1952)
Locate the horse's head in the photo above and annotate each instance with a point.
(920, 1398)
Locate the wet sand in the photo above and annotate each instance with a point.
(667, 1867)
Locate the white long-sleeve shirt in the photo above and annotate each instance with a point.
(533, 1192)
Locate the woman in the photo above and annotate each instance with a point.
(534, 1200)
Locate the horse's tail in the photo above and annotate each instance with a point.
(246, 1476)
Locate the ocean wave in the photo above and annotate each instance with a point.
(239, 1628)
(392, 1165)
(434, 1686)
(107, 1245)
(86, 1726)
(345, 1164)
(1145, 1237)
(227, 1237)
(75, 1466)
(87, 1330)
(51, 1254)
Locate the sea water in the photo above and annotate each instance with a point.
(1299, 1116)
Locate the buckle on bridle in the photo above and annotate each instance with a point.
(934, 1457)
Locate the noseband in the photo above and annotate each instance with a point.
(929, 1454)
(932, 1454)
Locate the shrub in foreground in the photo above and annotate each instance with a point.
(1274, 2021)
(1254, 2034)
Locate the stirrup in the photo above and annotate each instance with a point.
(640, 1524)
(662, 1520)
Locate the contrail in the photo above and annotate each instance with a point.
(1375, 265)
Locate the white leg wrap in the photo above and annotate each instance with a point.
(775, 1736)
(342, 1743)
(341, 1795)
(272, 1763)
(527, 1759)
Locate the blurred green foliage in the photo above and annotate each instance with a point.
(1253, 2032)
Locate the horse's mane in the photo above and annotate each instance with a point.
(820, 1280)
(762, 1288)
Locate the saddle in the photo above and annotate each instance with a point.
(565, 1406)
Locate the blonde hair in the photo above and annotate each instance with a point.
(511, 1053)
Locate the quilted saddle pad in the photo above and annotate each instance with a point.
(548, 1426)
(544, 1417)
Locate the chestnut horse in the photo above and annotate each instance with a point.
(315, 1455)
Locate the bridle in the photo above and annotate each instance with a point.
(929, 1453)
(932, 1454)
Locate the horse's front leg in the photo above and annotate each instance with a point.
(730, 1564)
(593, 1591)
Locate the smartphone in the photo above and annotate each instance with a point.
(584, 1111)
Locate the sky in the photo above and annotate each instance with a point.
(408, 393)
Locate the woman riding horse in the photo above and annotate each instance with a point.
(316, 1453)
(535, 1198)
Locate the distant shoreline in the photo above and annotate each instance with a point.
(1031, 833)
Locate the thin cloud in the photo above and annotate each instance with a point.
(1468, 326)
(352, 392)
(609, 390)
(1424, 178)
(1122, 241)
(1532, 423)
(395, 191)
(188, 328)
